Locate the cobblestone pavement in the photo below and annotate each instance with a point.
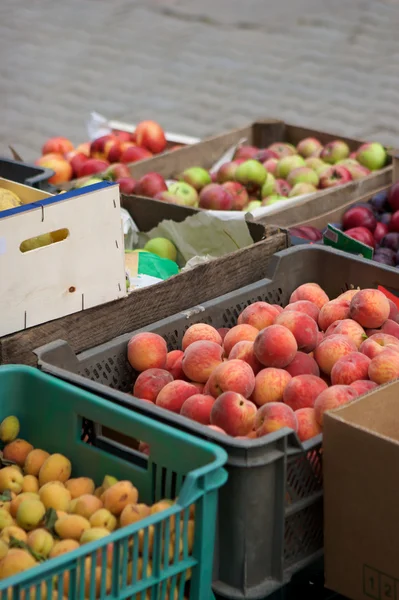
(198, 67)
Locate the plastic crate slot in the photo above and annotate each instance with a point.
(303, 534)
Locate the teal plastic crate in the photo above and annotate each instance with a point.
(59, 417)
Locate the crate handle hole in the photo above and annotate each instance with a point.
(46, 239)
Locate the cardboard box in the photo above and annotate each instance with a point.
(361, 496)
(82, 268)
(146, 305)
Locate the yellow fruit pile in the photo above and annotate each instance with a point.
(45, 513)
(8, 199)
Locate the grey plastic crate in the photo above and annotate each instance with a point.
(26, 173)
(270, 522)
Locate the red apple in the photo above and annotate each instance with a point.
(283, 188)
(270, 165)
(334, 176)
(76, 160)
(57, 145)
(362, 235)
(134, 154)
(239, 193)
(282, 149)
(117, 171)
(151, 136)
(216, 197)
(246, 152)
(97, 147)
(122, 136)
(227, 172)
(126, 185)
(265, 154)
(150, 185)
(359, 216)
(93, 165)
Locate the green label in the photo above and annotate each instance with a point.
(338, 239)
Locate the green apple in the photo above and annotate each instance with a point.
(90, 181)
(302, 188)
(373, 156)
(197, 177)
(252, 205)
(162, 247)
(251, 173)
(185, 193)
(288, 164)
(268, 187)
(303, 175)
(273, 199)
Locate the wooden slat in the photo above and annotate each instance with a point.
(98, 325)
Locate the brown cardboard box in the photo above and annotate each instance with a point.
(361, 496)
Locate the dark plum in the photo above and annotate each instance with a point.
(379, 202)
(384, 260)
(391, 240)
(386, 252)
(397, 258)
(385, 218)
(393, 197)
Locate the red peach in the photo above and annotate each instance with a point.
(308, 427)
(112, 150)
(150, 135)
(259, 315)
(245, 351)
(332, 397)
(233, 413)
(222, 331)
(363, 386)
(174, 394)
(150, 184)
(122, 136)
(59, 145)
(348, 295)
(331, 349)
(394, 311)
(275, 346)
(377, 343)
(309, 308)
(61, 167)
(370, 308)
(274, 416)
(278, 308)
(231, 376)
(217, 429)
(391, 328)
(147, 351)
(150, 382)
(198, 408)
(350, 328)
(320, 338)
(174, 360)
(303, 364)
(303, 328)
(350, 368)
(200, 331)
(237, 334)
(335, 310)
(270, 384)
(311, 292)
(117, 171)
(200, 359)
(200, 386)
(134, 154)
(302, 391)
(384, 367)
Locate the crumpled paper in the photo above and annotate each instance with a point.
(202, 235)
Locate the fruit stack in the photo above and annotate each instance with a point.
(258, 177)
(108, 154)
(374, 223)
(278, 367)
(44, 513)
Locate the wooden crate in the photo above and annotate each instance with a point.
(143, 306)
(81, 271)
(344, 200)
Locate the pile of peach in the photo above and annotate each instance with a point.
(278, 367)
(119, 147)
(44, 513)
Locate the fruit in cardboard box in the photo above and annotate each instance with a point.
(239, 194)
(59, 145)
(215, 196)
(335, 151)
(162, 247)
(303, 175)
(185, 193)
(300, 189)
(308, 146)
(134, 154)
(127, 185)
(61, 167)
(92, 166)
(373, 156)
(251, 174)
(197, 177)
(150, 185)
(150, 135)
(334, 176)
(288, 164)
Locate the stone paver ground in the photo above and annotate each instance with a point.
(198, 67)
